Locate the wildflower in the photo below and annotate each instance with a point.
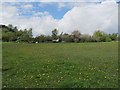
(48, 76)
(43, 74)
(24, 76)
(105, 77)
(80, 73)
(61, 77)
(31, 77)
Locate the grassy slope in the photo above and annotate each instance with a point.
(60, 65)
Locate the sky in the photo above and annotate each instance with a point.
(43, 17)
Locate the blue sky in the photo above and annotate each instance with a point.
(51, 8)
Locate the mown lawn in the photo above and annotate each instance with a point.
(60, 65)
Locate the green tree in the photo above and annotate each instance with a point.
(25, 37)
(40, 38)
(54, 34)
(30, 33)
(10, 26)
(113, 36)
(98, 35)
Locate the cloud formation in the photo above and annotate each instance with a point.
(27, 6)
(85, 17)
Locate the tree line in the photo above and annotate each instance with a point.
(12, 34)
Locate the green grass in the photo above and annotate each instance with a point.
(60, 65)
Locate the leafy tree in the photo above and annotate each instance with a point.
(48, 39)
(30, 33)
(24, 37)
(10, 26)
(108, 39)
(85, 38)
(98, 35)
(54, 34)
(5, 37)
(40, 38)
(113, 36)
(76, 35)
(11, 36)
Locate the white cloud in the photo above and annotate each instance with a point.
(85, 18)
(29, 6)
(41, 13)
(89, 18)
(60, 5)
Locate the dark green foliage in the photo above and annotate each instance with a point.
(10, 33)
(101, 36)
(43, 38)
(54, 34)
(113, 36)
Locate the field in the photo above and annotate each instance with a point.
(60, 65)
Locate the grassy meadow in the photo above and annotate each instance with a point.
(60, 65)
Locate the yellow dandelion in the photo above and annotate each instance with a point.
(43, 74)
(105, 77)
(61, 77)
(37, 84)
(31, 77)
